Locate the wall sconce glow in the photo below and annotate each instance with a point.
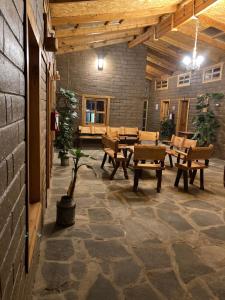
(100, 62)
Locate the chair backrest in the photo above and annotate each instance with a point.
(177, 141)
(85, 129)
(109, 142)
(188, 143)
(131, 131)
(200, 153)
(113, 131)
(149, 152)
(148, 136)
(98, 130)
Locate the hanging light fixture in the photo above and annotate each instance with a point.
(194, 62)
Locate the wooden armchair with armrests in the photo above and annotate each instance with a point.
(156, 156)
(176, 143)
(111, 149)
(192, 164)
(144, 137)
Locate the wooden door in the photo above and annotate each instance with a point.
(164, 109)
(182, 118)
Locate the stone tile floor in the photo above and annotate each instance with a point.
(134, 246)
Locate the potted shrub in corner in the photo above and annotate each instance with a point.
(67, 205)
(67, 115)
(205, 122)
(167, 128)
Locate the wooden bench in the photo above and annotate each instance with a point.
(94, 132)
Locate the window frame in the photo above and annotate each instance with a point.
(161, 87)
(94, 98)
(183, 84)
(211, 68)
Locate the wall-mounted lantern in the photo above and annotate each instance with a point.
(100, 62)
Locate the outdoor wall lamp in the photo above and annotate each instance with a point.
(100, 62)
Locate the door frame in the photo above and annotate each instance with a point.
(179, 112)
(161, 104)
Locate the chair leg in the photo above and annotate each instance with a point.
(129, 158)
(171, 161)
(159, 181)
(115, 169)
(136, 178)
(201, 179)
(185, 176)
(103, 161)
(192, 178)
(124, 169)
(109, 160)
(113, 162)
(179, 173)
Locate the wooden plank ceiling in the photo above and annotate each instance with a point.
(166, 27)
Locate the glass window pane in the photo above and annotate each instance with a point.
(90, 117)
(100, 118)
(90, 105)
(100, 105)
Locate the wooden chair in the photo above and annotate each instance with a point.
(113, 132)
(176, 143)
(188, 143)
(143, 137)
(192, 164)
(111, 148)
(148, 136)
(156, 156)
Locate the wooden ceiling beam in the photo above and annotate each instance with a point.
(161, 62)
(69, 49)
(75, 41)
(161, 69)
(108, 28)
(141, 38)
(177, 43)
(90, 11)
(182, 15)
(157, 46)
(203, 38)
(154, 70)
(209, 22)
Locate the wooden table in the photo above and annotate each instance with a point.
(186, 134)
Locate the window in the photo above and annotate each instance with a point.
(145, 115)
(212, 73)
(161, 84)
(95, 110)
(184, 79)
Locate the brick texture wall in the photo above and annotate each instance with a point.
(14, 282)
(196, 88)
(123, 78)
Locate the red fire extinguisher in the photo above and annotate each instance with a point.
(55, 121)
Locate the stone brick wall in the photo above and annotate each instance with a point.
(14, 282)
(12, 148)
(123, 78)
(196, 88)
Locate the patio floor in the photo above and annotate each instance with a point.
(134, 246)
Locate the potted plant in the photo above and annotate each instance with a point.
(67, 205)
(205, 122)
(167, 128)
(67, 115)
